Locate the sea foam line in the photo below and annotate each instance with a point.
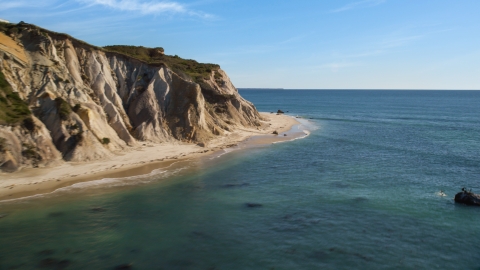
(101, 183)
(306, 132)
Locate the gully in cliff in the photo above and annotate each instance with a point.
(467, 197)
(62, 99)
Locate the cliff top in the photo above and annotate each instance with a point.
(156, 57)
(152, 56)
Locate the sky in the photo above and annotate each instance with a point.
(294, 44)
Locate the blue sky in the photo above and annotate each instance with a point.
(366, 44)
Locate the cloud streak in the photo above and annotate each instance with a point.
(147, 7)
(336, 66)
(22, 4)
(359, 4)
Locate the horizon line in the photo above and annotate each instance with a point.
(357, 89)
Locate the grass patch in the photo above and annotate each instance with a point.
(13, 110)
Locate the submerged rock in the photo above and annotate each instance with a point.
(54, 263)
(98, 209)
(124, 266)
(253, 205)
(280, 111)
(235, 185)
(467, 197)
(46, 252)
(3, 215)
(56, 214)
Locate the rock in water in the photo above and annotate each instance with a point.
(280, 111)
(467, 197)
(124, 266)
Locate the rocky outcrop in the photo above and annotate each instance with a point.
(88, 103)
(467, 197)
(26, 145)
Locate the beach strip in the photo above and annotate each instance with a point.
(139, 160)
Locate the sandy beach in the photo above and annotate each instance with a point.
(137, 161)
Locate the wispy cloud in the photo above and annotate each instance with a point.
(399, 41)
(384, 46)
(22, 4)
(336, 66)
(10, 5)
(293, 39)
(359, 4)
(147, 7)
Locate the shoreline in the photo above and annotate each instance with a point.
(140, 160)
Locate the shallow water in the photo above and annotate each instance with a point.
(361, 191)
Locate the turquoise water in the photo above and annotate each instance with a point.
(362, 192)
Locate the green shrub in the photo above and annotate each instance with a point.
(77, 107)
(13, 110)
(63, 108)
(29, 124)
(29, 152)
(105, 141)
(3, 145)
(218, 76)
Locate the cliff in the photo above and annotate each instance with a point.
(62, 99)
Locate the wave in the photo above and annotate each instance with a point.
(306, 132)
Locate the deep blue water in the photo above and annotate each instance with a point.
(362, 192)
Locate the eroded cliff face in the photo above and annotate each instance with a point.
(88, 104)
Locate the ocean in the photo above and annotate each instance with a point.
(362, 191)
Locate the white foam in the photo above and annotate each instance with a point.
(306, 132)
(106, 183)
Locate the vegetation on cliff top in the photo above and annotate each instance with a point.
(13, 110)
(155, 56)
(152, 56)
(14, 29)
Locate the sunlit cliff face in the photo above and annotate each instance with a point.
(87, 103)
